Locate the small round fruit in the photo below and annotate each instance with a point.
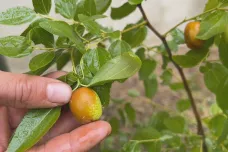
(191, 31)
(85, 105)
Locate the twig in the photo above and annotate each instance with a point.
(180, 70)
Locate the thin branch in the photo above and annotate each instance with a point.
(180, 70)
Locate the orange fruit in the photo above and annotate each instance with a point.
(85, 105)
(191, 31)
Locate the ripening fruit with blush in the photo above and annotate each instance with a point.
(85, 105)
(191, 31)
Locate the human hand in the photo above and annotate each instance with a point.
(19, 92)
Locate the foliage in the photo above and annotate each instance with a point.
(100, 56)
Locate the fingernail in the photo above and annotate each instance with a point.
(58, 93)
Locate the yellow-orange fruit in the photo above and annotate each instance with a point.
(191, 31)
(85, 105)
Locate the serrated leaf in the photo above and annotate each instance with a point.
(130, 111)
(178, 36)
(15, 46)
(119, 47)
(41, 60)
(102, 5)
(32, 128)
(120, 67)
(157, 120)
(191, 59)
(63, 29)
(67, 8)
(42, 6)
(103, 92)
(166, 77)
(141, 53)
(114, 35)
(175, 124)
(41, 36)
(122, 11)
(135, 2)
(135, 37)
(17, 16)
(213, 24)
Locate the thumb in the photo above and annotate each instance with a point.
(24, 91)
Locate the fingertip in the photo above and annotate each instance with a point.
(106, 126)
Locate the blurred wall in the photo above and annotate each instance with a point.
(163, 14)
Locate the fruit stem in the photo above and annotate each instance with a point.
(189, 19)
(181, 72)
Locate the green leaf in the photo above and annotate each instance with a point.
(95, 59)
(175, 124)
(141, 53)
(79, 29)
(41, 36)
(211, 4)
(191, 59)
(119, 47)
(42, 70)
(224, 133)
(131, 146)
(214, 109)
(67, 8)
(102, 5)
(133, 93)
(103, 92)
(135, 2)
(213, 24)
(214, 74)
(17, 16)
(114, 122)
(136, 36)
(34, 24)
(15, 46)
(148, 67)
(172, 45)
(63, 29)
(63, 60)
(157, 120)
(178, 36)
(151, 86)
(114, 35)
(223, 52)
(70, 78)
(122, 11)
(222, 95)
(120, 67)
(149, 133)
(42, 6)
(216, 124)
(130, 111)
(32, 128)
(167, 76)
(90, 24)
(183, 105)
(41, 60)
(176, 86)
(86, 7)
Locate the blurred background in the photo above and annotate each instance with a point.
(163, 14)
